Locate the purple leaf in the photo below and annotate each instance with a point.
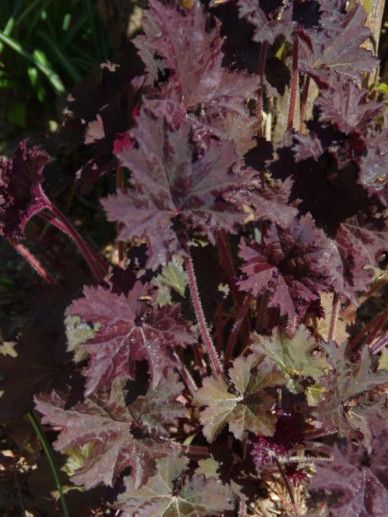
(356, 491)
(129, 331)
(337, 46)
(21, 194)
(267, 25)
(104, 423)
(293, 265)
(174, 179)
(201, 80)
(345, 105)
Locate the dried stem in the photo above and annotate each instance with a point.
(333, 317)
(294, 83)
(260, 71)
(32, 261)
(203, 328)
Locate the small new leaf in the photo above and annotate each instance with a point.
(244, 405)
(173, 277)
(294, 356)
(195, 497)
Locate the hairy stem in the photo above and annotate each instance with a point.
(203, 328)
(260, 71)
(294, 83)
(94, 262)
(32, 261)
(50, 458)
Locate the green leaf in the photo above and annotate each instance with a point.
(76, 457)
(244, 406)
(382, 88)
(354, 393)
(8, 348)
(221, 403)
(172, 277)
(295, 357)
(159, 407)
(314, 394)
(208, 468)
(383, 360)
(77, 333)
(38, 59)
(197, 497)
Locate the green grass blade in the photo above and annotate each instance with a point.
(62, 58)
(46, 70)
(31, 7)
(72, 32)
(50, 458)
(11, 22)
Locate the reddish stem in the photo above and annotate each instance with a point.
(33, 261)
(333, 317)
(240, 317)
(242, 509)
(380, 344)
(303, 102)
(196, 450)
(260, 71)
(287, 484)
(226, 261)
(120, 186)
(203, 328)
(262, 312)
(377, 322)
(186, 375)
(94, 262)
(377, 328)
(294, 82)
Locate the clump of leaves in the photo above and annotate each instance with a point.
(213, 367)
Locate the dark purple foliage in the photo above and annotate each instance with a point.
(21, 195)
(205, 365)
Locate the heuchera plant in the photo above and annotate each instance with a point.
(225, 369)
